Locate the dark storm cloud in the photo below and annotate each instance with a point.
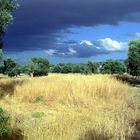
(69, 42)
(38, 23)
(68, 31)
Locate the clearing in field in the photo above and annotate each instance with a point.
(71, 107)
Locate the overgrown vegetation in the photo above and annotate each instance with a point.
(5, 130)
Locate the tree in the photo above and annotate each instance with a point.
(9, 64)
(76, 68)
(62, 68)
(10, 67)
(133, 62)
(15, 71)
(38, 66)
(1, 56)
(7, 7)
(93, 67)
(81, 68)
(113, 67)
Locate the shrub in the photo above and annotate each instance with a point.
(38, 114)
(39, 99)
(4, 128)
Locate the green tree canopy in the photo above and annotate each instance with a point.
(134, 58)
(10, 67)
(113, 67)
(38, 66)
(6, 9)
(93, 67)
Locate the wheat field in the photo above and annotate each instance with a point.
(70, 107)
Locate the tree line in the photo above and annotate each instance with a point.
(41, 67)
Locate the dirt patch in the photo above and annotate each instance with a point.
(128, 79)
(136, 135)
(9, 87)
(93, 135)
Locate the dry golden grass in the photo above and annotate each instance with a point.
(71, 107)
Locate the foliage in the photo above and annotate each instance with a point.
(15, 71)
(1, 55)
(134, 58)
(10, 67)
(110, 67)
(88, 68)
(38, 114)
(7, 7)
(62, 68)
(39, 99)
(113, 67)
(4, 129)
(93, 67)
(38, 66)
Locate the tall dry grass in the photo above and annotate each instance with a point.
(72, 107)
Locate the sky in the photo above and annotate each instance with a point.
(72, 31)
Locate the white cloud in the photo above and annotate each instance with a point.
(50, 52)
(72, 51)
(89, 43)
(137, 35)
(107, 44)
(112, 45)
(88, 48)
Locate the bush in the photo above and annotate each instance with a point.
(38, 115)
(4, 128)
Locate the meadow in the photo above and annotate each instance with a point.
(71, 107)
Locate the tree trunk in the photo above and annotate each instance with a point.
(1, 39)
(1, 44)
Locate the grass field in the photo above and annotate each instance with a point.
(71, 107)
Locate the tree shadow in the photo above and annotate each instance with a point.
(9, 87)
(128, 79)
(93, 135)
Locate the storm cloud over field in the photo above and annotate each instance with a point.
(42, 25)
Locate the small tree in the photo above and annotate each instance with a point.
(38, 66)
(10, 67)
(134, 58)
(93, 67)
(9, 64)
(76, 68)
